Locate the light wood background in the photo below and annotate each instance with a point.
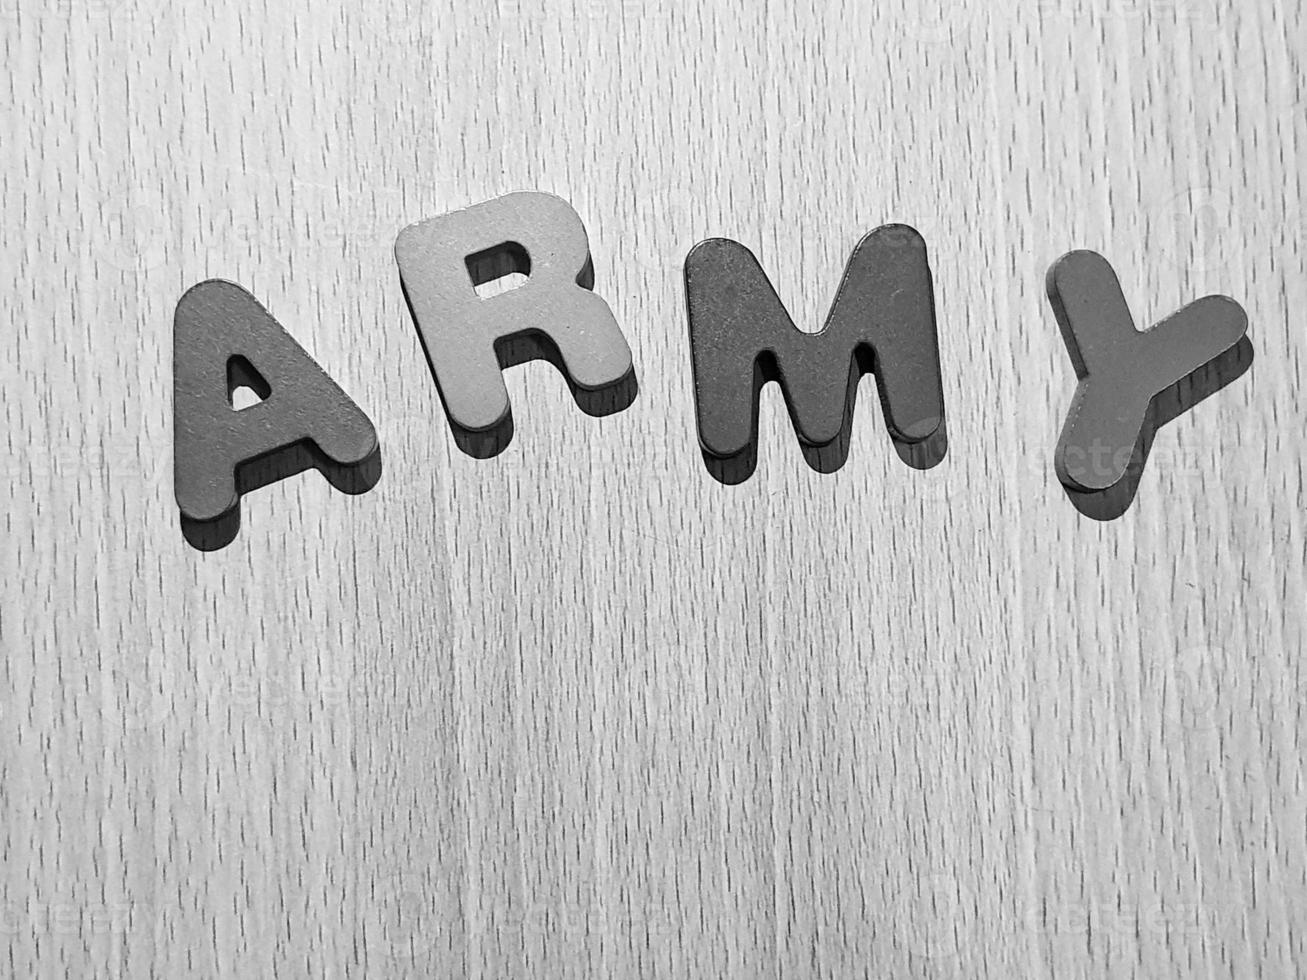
(579, 710)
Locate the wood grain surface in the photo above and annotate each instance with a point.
(579, 710)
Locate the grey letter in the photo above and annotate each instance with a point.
(469, 340)
(223, 339)
(882, 322)
(1131, 382)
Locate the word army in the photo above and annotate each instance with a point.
(456, 270)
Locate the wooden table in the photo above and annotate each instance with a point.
(579, 710)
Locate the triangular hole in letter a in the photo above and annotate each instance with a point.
(245, 386)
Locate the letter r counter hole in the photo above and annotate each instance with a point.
(498, 269)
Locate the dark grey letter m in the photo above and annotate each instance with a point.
(882, 322)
